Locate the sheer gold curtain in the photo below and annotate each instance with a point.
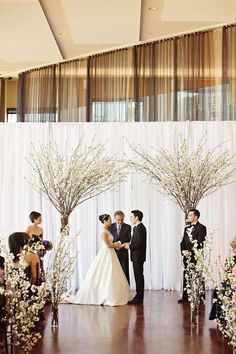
(156, 80)
(72, 91)
(191, 77)
(53, 93)
(181, 78)
(111, 86)
(2, 100)
(229, 72)
(199, 76)
(37, 101)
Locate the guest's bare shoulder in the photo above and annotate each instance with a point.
(31, 258)
(28, 230)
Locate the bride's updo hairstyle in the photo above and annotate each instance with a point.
(104, 217)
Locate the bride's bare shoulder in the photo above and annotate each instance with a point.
(104, 234)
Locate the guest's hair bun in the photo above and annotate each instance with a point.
(233, 243)
(104, 217)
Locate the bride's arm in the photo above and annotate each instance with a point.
(107, 241)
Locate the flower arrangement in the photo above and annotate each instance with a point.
(68, 179)
(226, 299)
(197, 272)
(185, 176)
(24, 302)
(60, 268)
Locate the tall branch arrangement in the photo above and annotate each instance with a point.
(226, 293)
(198, 268)
(185, 176)
(70, 178)
(223, 276)
(60, 267)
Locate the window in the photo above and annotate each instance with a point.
(11, 115)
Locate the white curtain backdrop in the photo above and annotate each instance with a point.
(163, 219)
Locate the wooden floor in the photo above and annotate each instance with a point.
(159, 326)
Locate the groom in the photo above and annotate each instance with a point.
(137, 248)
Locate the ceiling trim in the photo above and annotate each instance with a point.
(180, 34)
(50, 26)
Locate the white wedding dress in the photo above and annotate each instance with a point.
(105, 282)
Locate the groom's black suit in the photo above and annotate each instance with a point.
(199, 232)
(123, 237)
(138, 256)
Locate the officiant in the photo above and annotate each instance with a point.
(121, 232)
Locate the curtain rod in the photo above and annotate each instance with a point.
(110, 50)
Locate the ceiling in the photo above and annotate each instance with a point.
(35, 33)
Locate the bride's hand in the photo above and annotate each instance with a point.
(117, 244)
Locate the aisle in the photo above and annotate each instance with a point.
(160, 326)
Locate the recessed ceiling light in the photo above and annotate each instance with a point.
(62, 33)
(152, 8)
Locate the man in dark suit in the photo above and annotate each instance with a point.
(137, 248)
(121, 232)
(198, 233)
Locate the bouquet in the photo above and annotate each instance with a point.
(40, 246)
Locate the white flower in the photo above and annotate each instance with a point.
(22, 308)
(183, 175)
(67, 180)
(61, 266)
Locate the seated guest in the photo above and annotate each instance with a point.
(16, 242)
(216, 310)
(34, 230)
(2, 303)
(2, 286)
(2, 277)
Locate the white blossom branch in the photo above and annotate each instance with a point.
(184, 176)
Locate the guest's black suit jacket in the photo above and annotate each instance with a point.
(199, 232)
(138, 243)
(124, 236)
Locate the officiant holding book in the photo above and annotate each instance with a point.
(121, 232)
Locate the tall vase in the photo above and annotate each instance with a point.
(194, 315)
(64, 221)
(55, 320)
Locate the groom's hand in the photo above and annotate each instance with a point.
(123, 245)
(126, 245)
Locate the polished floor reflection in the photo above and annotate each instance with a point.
(159, 326)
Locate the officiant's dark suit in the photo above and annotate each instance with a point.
(199, 232)
(138, 256)
(124, 235)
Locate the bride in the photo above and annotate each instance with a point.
(105, 282)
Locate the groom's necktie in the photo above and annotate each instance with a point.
(134, 227)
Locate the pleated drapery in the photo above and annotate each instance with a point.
(2, 99)
(163, 219)
(191, 77)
